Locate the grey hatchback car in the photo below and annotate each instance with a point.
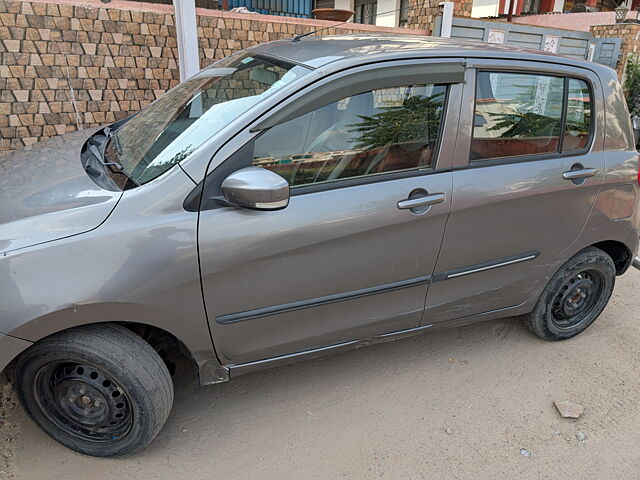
(303, 197)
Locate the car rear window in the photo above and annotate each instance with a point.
(578, 126)
(522, 114)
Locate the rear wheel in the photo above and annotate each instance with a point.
(99, 389)
(574, 297)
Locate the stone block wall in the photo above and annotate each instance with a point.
(68, 64)
(630, 34)
(462, 8)
(422, 14)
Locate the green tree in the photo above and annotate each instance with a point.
(525, 125)
(632, 85)
(416, 120)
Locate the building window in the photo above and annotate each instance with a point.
(366, 11)
(324, 4)
(404, 13)
(531, 7)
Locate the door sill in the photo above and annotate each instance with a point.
(249, 367)
(242, 368)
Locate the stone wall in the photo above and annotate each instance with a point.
(68, 64)
(422, 13)
(630, 34)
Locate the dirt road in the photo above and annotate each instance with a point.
(461, 403)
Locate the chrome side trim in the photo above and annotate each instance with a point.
(242, 368)
(314, 302)
(488, 267)
(498, 310)
(293, 356)
(231, 318)
(480, 267)
(486, 313)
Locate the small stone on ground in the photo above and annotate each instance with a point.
(569, 409)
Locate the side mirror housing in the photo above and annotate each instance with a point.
(256, 188)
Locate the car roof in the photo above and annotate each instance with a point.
(317, 51)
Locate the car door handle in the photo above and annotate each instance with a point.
(582, 173)
(410, 203)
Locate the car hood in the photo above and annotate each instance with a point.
(46, 195)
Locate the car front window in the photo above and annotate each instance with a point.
(171, 128)
(378, 131)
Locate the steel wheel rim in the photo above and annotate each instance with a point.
(83, 402)
(577, 298)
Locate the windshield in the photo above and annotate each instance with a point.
(172, 127)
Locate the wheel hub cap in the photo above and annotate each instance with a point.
(83, 402)
(576, 298)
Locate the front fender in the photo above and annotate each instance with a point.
(10, 348)
(140, 265)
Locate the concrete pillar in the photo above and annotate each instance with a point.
(187, 38)
(447, 19)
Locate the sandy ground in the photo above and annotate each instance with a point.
(452, 404)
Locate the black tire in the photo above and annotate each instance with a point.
(574, 297)
(100, 389)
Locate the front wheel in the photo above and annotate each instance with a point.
(574, 297)
(100, 389)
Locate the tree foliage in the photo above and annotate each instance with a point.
(525, 125)
(632, 85)
(416, 120)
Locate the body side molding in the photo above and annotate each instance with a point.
(231, 318)
(314, 302)
(481, 267)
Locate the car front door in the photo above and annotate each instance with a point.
(351, 255)
(525, 179)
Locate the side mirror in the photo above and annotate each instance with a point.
(256, 188)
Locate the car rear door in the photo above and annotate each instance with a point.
(352, 254)
(528, 166)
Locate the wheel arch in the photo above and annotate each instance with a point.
(152, 324)
(619, 253)
(162, 341)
